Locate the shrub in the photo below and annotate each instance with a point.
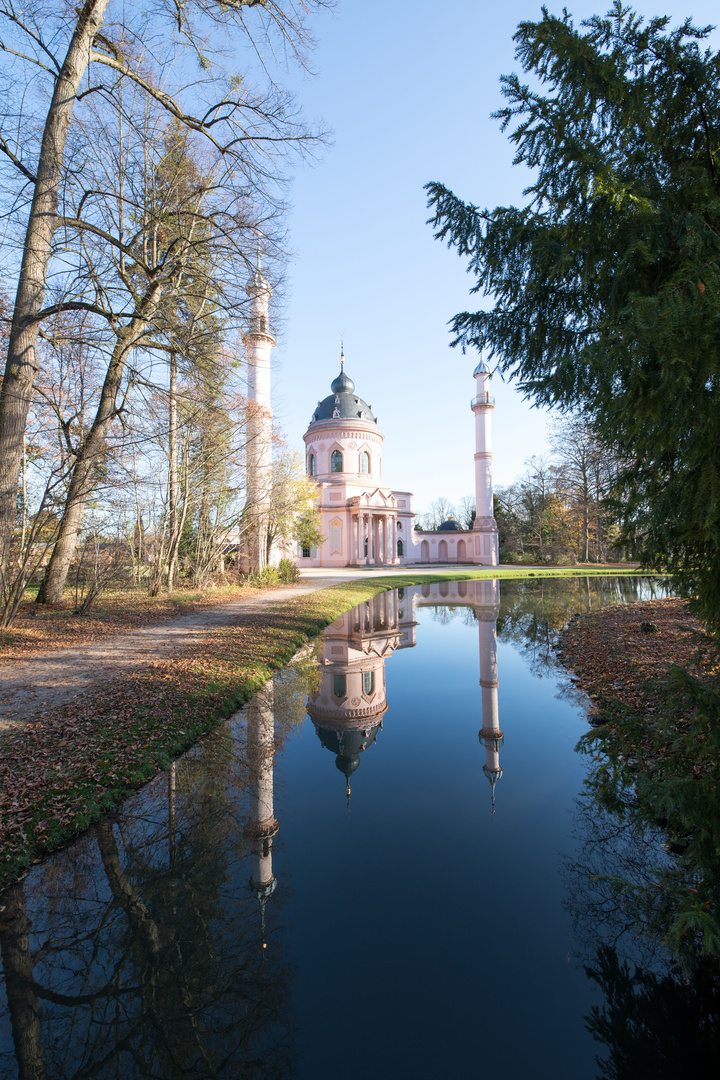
(265, 578)
(288, 571)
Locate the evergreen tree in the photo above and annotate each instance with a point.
(606, 285)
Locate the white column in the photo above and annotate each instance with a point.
(485, 542)
(483, 408)
(259, 340)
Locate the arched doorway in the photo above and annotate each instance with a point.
(442, 551)
(425, 551)
(461, 550)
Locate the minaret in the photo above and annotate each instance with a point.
(259, 340)
(485, 527)
(490, 733)
(263, 825)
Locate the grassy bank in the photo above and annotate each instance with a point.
(60, 773)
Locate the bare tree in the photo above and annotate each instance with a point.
(80, 59)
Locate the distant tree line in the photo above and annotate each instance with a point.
(441, 509)
(564, 509)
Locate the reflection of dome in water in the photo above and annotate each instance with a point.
(347, 745)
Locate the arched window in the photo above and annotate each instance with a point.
(336, 461)
(369, 682)
(399, 525)
(312, 468)
(339, 685)
(401, 548)
(365, 462)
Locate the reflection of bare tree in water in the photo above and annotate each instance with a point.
(534, 613)
(147, 955)
(23, 1004)
(446, 613)
(660, 1017)
(655, 1026)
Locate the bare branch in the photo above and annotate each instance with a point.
(16, 161)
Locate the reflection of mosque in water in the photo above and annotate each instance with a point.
(347, 709)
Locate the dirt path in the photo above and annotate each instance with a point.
(50, 679)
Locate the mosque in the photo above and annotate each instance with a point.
(363, 521)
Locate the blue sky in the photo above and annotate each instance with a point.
(407, 89)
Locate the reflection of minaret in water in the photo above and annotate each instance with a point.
(490, 733)
(263, 825)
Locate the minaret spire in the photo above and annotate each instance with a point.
(259, 340)
(485, 527)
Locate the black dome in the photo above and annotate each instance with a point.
(348, 744)
(343, 384)
(450, 525)
(343, 404)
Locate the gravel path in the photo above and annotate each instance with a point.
(49, 680)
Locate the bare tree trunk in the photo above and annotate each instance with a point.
(173, 476)
(139, 527)
(23, 1005)
(24, 494)
(81, 484)
(125, 894)
(21, 366)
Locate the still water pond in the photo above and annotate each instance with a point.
(348, 881)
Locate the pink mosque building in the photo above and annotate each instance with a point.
(366, 523)
(363, 521)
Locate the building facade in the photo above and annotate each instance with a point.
(366, 523)
(363, 522)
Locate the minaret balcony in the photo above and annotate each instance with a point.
(259, 327)
(482, 399)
